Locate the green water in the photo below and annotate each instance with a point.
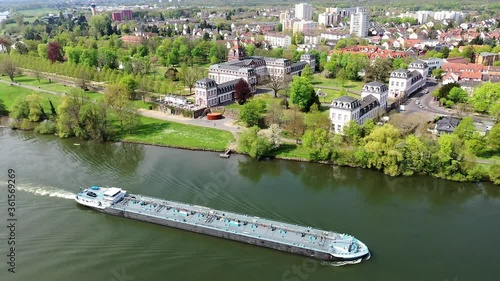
(418, 228)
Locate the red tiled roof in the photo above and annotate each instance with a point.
(471, 75)
(463, 67)
(132, 39)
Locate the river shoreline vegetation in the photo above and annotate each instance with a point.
(87, 55)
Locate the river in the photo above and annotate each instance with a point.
(418, 228)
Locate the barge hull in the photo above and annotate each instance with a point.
(222, 234)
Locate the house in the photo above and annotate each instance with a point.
(446, 125)
(486, 58)
(405, 82)
(371, 105)
(222, 78)
(278, 40)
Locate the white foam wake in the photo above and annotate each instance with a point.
(47, 191)
(342, 263)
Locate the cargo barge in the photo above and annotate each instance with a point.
(301, 240)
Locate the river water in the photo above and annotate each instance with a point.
(418, 228)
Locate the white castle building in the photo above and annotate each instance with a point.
(405, 82)
(372, 104)
(222, 78)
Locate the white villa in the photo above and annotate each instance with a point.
(219, 86)
(404, 82)
(373, 103)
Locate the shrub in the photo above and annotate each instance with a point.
(46, 128)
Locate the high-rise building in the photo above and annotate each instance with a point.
(304, 11)
(359, 23)
(93, 9)
(117, 16)
(127, 15)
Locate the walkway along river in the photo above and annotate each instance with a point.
(418, 228)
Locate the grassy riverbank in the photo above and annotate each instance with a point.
(163, 133)
(150, 131)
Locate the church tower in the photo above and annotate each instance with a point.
(236, 52)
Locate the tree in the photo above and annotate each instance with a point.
(302, 93)
(130, 85)
(42, 50)
(278, 82)
(5, 43)
(3, 109)
(378, 70)
(316, 119)
(457, 95)
(295, 123)
(68, 120)
(352, 132)
(418, 156)
(21, 48)
(494, 138)
(495, 174)
(97, 25)
(83, 80)
(93, 117)
(318, 144)
(34, 107)
(20, 109)
(275, 114)
(54, 52)
(275, 136)
(485, 97)
(242, 91)
(252, 143)
(251, 113)
(191, 75)
(117, 97)
(38, 75)
(307, 73)
(341, 77)
(444, 90)
(382, 148)
(438, 73)
(465, 129)
(9, 68)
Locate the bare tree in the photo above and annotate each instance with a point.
(278, 82)
(295, 123)
(83, 80)
(274, 115)
(9, 68)
(38, 75)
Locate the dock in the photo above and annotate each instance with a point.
(225, 154)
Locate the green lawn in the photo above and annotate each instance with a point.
(43, 84)
(268, 99)
(38, 12)
(333, 94)
(10, 93)
(320, 81)
(289, 150)
(158, 132)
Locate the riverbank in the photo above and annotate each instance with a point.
(159, 129)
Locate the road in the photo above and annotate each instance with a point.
(431, 106)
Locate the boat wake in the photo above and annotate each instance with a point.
(47, 191)
(342, 263)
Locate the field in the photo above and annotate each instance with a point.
(9, 94)
(163, 133)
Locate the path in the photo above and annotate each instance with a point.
(15, 84)
(226, 124)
